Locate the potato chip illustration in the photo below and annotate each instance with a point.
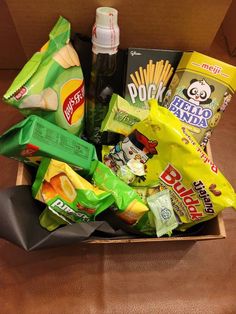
(47, 191)
(32, 101)
(50, 99)
(63, 186)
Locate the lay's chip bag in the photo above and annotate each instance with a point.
(51, 83)
(162, 153)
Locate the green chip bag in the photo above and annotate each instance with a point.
(69, 197)
(130, 205)
(51, 83)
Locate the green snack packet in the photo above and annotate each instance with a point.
(51, 83)
(69, 197)
(122, 115)
(34, 138)
(130, 206)
(164, 216)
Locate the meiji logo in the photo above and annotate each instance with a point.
(173, 178)
(215, 69)
(20, 93)
(190, 113)
(73, 102)
(135, 53)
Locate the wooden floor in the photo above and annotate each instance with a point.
(133, 278)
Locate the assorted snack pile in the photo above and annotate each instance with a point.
(140, 154)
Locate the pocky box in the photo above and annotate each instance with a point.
(148, 74)
(51, 83)
(199, 92)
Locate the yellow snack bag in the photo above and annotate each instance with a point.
(161, 152)
(68, 196)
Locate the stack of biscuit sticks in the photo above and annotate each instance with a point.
(154, 73)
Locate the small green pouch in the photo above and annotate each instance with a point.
(164, 216)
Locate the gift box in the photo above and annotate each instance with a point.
(21, 226)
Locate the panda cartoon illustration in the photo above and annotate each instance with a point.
(199, 92)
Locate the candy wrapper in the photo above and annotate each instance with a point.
(69, 197)
(51, 83)
(164, 216)
(170, 158)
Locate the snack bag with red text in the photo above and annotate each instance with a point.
(51, 83)
(161, 153)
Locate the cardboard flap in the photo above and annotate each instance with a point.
(166, 24)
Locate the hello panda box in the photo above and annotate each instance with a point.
(199, 92)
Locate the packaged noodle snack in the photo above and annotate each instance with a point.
(173, 160)
(34, 138)
(199, 92)
(51, 83)
(130, 206)
(68, 196)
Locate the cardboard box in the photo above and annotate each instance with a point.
(164, 24)
(228, 27)
(214, 228)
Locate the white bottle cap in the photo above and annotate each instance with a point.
(106, 33)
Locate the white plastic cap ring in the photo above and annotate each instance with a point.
(106, 33)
